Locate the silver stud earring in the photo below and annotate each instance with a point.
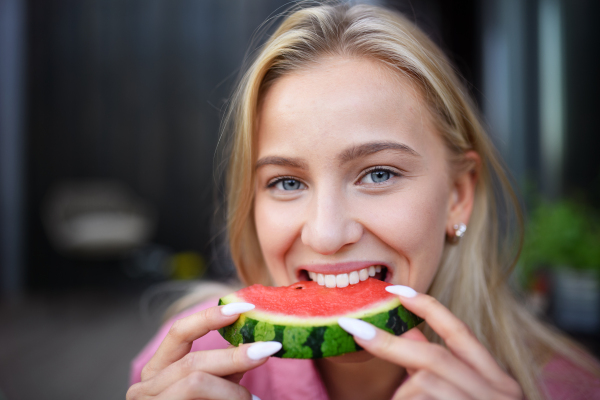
(459, 231)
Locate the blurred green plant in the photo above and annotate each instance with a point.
(564, 234)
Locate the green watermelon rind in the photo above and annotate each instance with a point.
(313, 338)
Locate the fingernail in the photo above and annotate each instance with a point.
(400, 290)
(357, 327)
(263, 349)
(254, 397)
(236, 308)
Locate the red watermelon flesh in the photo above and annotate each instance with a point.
(297, 299)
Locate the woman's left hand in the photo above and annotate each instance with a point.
(464, 370)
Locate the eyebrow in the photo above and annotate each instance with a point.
(283, 161)
(347, 155)
(367, 149)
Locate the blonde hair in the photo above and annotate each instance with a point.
(473, 275)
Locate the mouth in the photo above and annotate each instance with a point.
(379, 272)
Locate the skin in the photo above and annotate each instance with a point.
(350, 169)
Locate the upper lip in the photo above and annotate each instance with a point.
(339, 268)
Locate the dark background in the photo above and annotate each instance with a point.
(134, 91)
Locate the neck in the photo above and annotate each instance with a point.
(372, 379)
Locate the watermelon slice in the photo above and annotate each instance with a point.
(303, 316)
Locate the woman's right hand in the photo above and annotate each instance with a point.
(175, 373)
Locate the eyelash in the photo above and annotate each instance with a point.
(278, 179)
(379, 168)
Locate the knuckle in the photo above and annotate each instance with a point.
(423, 379)
(238, 356)
(189, 361)
(430, 301)
(385, 341)
(436, 355)
(147, 371)
(194, 381)
(462, 328)
(134, 392)
(177, 330)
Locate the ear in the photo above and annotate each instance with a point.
(462, 193)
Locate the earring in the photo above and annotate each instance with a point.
(459, 231)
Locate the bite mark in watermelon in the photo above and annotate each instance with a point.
(303, 316)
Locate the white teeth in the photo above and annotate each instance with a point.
(353, 277)
(330, 281)
(341, 280)
(363, 274)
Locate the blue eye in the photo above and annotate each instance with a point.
(378, 175)
(290, 184)
(287, 184)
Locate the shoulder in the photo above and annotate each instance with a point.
(563, 380)
(210, 341)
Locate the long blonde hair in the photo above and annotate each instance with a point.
(472, 278)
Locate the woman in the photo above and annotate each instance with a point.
(354, 145)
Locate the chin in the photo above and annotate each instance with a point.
(355, 357)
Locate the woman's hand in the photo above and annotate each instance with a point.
(465, 370)
(175, 373)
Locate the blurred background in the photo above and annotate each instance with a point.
(109, 121)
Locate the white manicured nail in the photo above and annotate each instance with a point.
(236, 308)
(400, 290)
(254, 397)
(263, 349)
(357, 327)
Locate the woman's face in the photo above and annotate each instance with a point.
(351, 174)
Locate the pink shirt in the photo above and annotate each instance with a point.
(288, 379)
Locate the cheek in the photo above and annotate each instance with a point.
(277, 228)
(413, 225)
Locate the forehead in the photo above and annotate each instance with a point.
(343, 101)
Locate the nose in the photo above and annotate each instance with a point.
(329, 225)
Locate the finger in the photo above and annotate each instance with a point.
(416, 335)
(431, 385)
(200, 385)
(235, 378)
(416, 355)
(182, 334)
(223, 363)
(455, 333)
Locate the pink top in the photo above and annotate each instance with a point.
(289, 379)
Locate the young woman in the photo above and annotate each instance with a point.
(356, 145)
